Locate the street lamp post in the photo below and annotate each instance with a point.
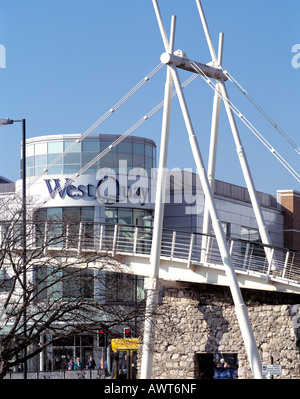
(4, 122)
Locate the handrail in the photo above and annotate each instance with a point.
(181, 245)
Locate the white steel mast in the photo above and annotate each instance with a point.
(241, 312)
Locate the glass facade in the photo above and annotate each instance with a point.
(137, 152)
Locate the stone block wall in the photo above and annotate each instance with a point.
(199, 319)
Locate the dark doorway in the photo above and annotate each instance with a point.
(204, 366)
(209, 366)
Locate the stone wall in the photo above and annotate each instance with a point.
(199, 319)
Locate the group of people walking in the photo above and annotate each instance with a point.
(78, 365)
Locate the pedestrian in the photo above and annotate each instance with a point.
(90, 364)
(70, 364)
(221, 364)
(78, 364)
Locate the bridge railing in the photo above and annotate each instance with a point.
(193, 248)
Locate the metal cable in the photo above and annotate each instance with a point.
(248, 124)
(116, 142)
(97, 123)
(263, 112)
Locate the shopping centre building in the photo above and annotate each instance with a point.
(119, 188)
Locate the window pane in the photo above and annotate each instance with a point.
(125, 216)
(125, 157)
(71, 168)
(41, 148)
(29, 162)
(78, 283)
(92, 170)
(105, 143)
(111, 215)
(71, 215)
(55, 170)
(30, 172)
(40, 160)
(138, 161)
(90, 146)
(109, 160)
(55, 147)
(148, 150)
(138, 148)
(89, 156)
(52, 157)
(30, 150)
(148, 162)
(87, 214)
(77, 148)
(54, 213)
(125, 147)
(39, 170)
(72, 158)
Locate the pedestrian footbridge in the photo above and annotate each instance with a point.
(185, 256)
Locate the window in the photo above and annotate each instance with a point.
(138, 148)
(78, 283)
(139, 217)
(42, 281)
(105, 143)
(41, 160)
(72, 158)
(90, 146)
(72, 347)
(249, 234)
(76, 148)
(251, 250)
(55, 147)
(125, 147)
(124, 287)
(29, 150)
(52, 157)
(63, 225)
(41, 148)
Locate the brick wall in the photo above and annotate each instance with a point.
(290, 204)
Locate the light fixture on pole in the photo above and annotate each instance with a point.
(4, 122)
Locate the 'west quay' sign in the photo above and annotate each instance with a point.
(106, 190)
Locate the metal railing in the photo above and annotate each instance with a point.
(193, 248)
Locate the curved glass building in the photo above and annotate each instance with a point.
(116, 188)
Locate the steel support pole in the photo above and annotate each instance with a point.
(206, 31)
(263, 230)
(24, 244)
(211, 169)
(240, 150)
(240, 308)
(151, 288)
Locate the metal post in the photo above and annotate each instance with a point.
(241, 311)
(24, 255)
(265, 237)
(206, 31)
(213, 149)
(242, 157)
(4, 122)
(152, 296)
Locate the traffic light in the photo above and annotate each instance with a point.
(127, 333)
(102, 339)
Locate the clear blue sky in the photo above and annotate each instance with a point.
(69, 61)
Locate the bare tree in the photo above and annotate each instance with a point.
(71, 285)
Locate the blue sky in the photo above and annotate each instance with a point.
(69, 61)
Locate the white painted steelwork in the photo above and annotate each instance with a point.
(179, 249)
(241, 312)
